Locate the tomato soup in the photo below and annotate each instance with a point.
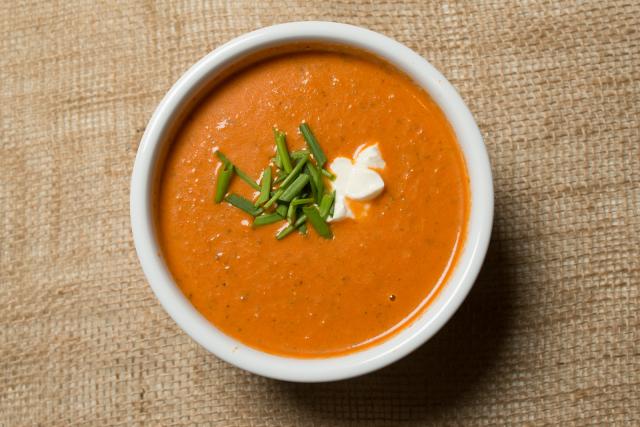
(305, 295)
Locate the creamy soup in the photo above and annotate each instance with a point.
(306, 295)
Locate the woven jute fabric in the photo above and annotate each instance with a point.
(550, 333)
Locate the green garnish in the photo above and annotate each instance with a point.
(225, 173)
(312, 185)
(294, 191)
(328, 174)
(222, 157)
(273, 198)
(283, 151)
(316, 179)
(291, 212)
(243, 176)
(298, 202)
(300, 221)
(303, 229)
(243, 204)
(265, 219)
(265, 187)
(319, 224)
(246, 178)
(294, 172)
(277, 162)
(289, 228)
(282, 210)
(294, 188)
(297, 155)
(281, 177)
(312, 142)
(326, 204)
(285, 232)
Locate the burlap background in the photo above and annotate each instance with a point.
(549, 334)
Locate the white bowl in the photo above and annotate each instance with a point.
(172, 109)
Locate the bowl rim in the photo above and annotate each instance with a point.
(438, 310)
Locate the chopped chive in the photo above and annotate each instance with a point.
(316, 179)
(300, 221)
(289, 228)
(328, 174)
(312, 142)
(243, 204)
(243, 176)
(314, 189)
(285, 232)
(246, 178)
(282, 211)
(294, 172)
(294, 188)
(265, 187)
(283, 152)
(319, 224)
(298, 201)
(280, 178)
(294, 191)
(225, 173)
(303, 229)
(222, 157)
(265, 219)
(297, 155)
(273, 198)
(276, 161)
(326, 203)
(291, 213)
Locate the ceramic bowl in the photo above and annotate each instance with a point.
(172, 110)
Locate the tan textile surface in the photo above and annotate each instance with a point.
(550, 333)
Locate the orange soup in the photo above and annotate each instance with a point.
(305, 295)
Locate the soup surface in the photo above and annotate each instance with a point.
(305, 296)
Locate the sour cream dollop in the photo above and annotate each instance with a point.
(356, 179)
